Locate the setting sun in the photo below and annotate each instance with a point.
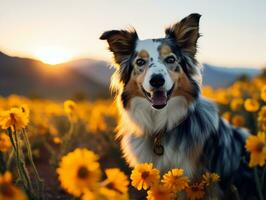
(53, 55)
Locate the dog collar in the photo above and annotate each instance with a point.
(158, 148)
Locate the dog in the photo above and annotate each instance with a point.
(164, 119)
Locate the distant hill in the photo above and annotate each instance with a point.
(214, 76)
(224, 76)
(83, 78)
(33, 78)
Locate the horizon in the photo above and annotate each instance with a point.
(58, 32)
(108, 62)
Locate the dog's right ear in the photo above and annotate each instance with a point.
(121, 42)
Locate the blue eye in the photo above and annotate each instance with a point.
(140, 62)
(170, 59)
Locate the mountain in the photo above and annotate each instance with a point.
(30, 77)
(97, 70)
(84, 78)
(214, 76)
(224, 76)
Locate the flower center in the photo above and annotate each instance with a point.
(260, 147)
(145, 175)
(111, 186)
(195, 189)
(83, 172)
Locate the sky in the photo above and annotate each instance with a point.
(234, 32)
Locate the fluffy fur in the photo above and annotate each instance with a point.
(194, 137)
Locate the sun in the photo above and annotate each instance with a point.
(53, 55)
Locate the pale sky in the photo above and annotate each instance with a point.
(234, 31)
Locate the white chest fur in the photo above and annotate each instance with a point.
(141, 121)
(140, 150)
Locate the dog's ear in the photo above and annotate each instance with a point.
(121, 43)
(186, 33)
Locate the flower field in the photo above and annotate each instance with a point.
(67, 150)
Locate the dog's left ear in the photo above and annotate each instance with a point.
(121, 43)
(186, 33)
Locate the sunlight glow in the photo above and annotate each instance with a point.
(53, 55)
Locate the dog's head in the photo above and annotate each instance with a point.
(157, 69)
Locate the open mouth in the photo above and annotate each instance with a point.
(158, 98)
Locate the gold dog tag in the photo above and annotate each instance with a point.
(158, 149)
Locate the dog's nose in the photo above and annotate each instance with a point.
(157, 80)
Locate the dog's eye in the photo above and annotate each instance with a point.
(170, 59)
(140, 62)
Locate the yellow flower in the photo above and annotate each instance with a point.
(227, 116)
(57, 140)
(116, 180)
(210, 178)
(238, 121)
(174, 180)
(8, 191)
(79, 171)
(263, 93)
(256, 145)
(88, 195)
(14, 118)
(5, 143)
(251, 105)
(159, 192)
(195, 191)
(69, 106)
(108, 194)
(236, 104)
(262, 118)
(144, 176)
(6, 178)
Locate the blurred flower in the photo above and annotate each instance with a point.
(210, 178)
(5, 143)
(109, 194)
(144, 176)
(263, 93)
(251, 105)
(69, 106)
(116, 180)
(79, 171)
(227, 116)
(159, 192)
(88, 195)
(236, 104)
(195, 191)
(57, 140)
(14, 118)
(8, 191)
(174, 180)
(262, 118)
(256, 145)
(25, 109)
(238, 121)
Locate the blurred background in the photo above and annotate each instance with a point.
(51, 48)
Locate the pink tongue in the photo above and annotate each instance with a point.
(159, 98)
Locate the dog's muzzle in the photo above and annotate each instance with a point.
(158, 97)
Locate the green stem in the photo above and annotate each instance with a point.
(235, 192)
(22, 165)
(258, 185)
(2, 163)
(10, 158)
(39, 180)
